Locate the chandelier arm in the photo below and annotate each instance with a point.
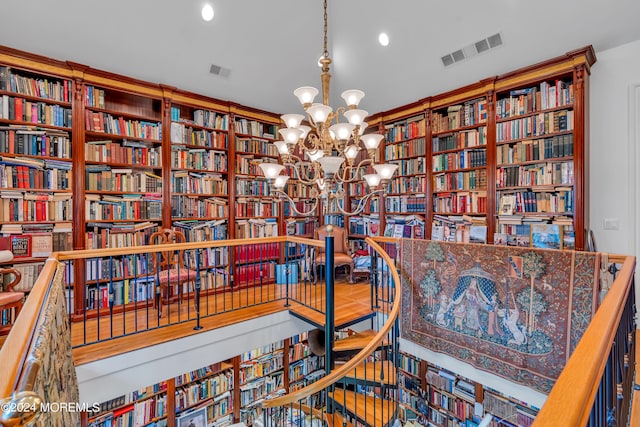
(292, 202)
(361, 204)
(344, 179)
(299, 177)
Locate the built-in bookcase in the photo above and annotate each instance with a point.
(257, 213)
(405, 147)
(459, 168)
(35, 167)
(501, 156)
(209, 388)
(144, 407)
(431, 395)
(123, 167)
(199, 172)
(535, 161)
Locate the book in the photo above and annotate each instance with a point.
(41, 244)
(21, 246)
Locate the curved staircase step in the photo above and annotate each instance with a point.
(373, 411)
(379, 372)
(356, 341)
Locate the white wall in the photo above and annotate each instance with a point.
(109, 378)
(615, 116)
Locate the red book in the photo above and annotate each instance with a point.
(12, 141)
(97, 122)
(18, 105)
(21, 246)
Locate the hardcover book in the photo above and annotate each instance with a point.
(21, 246)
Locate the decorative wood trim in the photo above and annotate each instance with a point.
(199, 101)
(254, 113)
(171, 402)
(21, 59)
(563, 64)
(122, 83)
(403, 112)
(465, 93)
(166, 158)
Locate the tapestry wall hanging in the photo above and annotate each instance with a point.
(515, 312)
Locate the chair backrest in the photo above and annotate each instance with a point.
(11, 278)
(339, 238)
(168, 259)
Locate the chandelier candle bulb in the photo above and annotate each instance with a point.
(385, 171)
(280, 181)
(331, 164)
(282, 147)
(351, 152)
(373, 179)
(322, 156)
(342, 131)
(306, 95)
(356, 117)
(290, 135)
(371, 141)
(292, 120)
(352, 97)
(319, 112)
(271, 170)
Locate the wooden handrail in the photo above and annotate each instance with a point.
(385, 239)
(106, 252)
(572, 396)
(348, 367)
(15, 350)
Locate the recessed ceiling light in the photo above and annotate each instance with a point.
(383, 38)
(207, 12)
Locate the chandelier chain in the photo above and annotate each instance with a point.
(325, 53)
(332, 148)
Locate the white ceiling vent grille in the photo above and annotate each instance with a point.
(473, 49)
(447, 60)
(219, 71)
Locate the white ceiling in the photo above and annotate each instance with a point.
(271, 47)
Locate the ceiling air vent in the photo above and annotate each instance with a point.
(495, 40)
(219, 71)
(472, 50)
(482, 45)
(458, 55)
(447, 60)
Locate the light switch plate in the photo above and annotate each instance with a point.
(611, 223)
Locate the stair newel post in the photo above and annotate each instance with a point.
(198, 286)
(329, 297)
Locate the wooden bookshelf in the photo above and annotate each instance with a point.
(35, 164)
(480, 151)
(431, 394)
(125, 173)
(147, 406)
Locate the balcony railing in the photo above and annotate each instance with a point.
(595, 387)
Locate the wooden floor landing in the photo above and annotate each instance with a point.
(352, 302)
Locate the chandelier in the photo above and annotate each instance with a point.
(322, 155)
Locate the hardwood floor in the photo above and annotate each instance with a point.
(352, 302)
